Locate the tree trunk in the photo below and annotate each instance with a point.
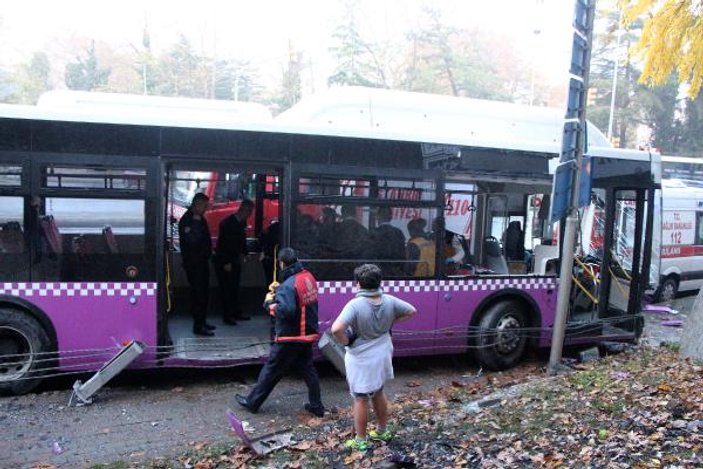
(692, 338)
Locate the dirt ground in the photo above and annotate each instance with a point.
(144, 416)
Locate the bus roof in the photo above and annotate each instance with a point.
(435, 117)
(387, 115)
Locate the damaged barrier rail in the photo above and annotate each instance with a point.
(152, 356)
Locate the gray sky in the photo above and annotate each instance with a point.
(261, 31)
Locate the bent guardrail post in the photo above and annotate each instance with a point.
(83, 392)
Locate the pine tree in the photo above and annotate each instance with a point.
(85, 74)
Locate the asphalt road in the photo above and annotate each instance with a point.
(145, 415)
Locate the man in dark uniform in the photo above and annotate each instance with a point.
(196, 248)
(229, 257)
(294, 309)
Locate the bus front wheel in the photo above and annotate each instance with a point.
(502, 336)
(23, 351)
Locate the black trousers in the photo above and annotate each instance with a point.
(229, 289)
(284, 358)
(198, 276)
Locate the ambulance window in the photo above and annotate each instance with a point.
(699, 228)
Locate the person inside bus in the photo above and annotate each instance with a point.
(196, 249)
(34, 234)
(306, 235)
(229, 258)
(388, 243)
(353, 241)
(420, 250)
(514, 242)
(453, 252)
(270, 240)
(328, 232)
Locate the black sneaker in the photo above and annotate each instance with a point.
(316, 411)
(242, 401)
(202, 330)
(209, 326)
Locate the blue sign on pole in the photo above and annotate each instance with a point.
(574, 138)
(561, 192)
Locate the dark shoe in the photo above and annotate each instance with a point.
(242, 317)
(229, 321)
(242, 401)
(209, 327)
(316, 411)
(202, 330)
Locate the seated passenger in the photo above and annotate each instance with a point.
(388, 243)
(452, 249)
(353, 242)
(420, 250)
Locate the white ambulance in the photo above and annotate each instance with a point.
(682, 227)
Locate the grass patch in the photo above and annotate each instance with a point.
(590, 379)
(673, 346)
(112, 465)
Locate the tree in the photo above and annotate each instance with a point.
(627, 109)
(635, 104)
(692, 128)
(672, 40)
(357, 60)
(461, 62)
(660, 106)
(236, 80)
(182, 72)
(29, 80)
(291, 84)
(85, 74)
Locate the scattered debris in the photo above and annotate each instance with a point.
(262, 445)
(659, 309)
(650, 415)
(619, 374)
(589, 355)
(56, 448)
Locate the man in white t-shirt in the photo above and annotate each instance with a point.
(363, 326)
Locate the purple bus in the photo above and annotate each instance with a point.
(89, 257)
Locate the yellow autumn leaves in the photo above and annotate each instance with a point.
(672, 39)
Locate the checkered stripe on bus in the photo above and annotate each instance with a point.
(59, 289)
(417, 286)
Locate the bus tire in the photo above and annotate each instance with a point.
(21, 339)
(667, 290)
(502, 338)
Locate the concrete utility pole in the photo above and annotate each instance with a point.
(616, 58)
(572, 155)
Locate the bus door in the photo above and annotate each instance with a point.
(226, 185)
(15, 240)
(626, 255)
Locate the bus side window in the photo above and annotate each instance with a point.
(13, 259)
(92, 239)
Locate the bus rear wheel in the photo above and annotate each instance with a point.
(23, 347)
(502, 338)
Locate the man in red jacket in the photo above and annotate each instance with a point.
(294, 309)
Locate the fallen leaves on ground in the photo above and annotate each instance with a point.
(642, 408)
